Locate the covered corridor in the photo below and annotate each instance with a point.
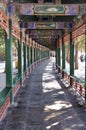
(44, 103)
(42, 65)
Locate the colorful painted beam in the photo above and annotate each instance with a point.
(79, 31)
(31, 9)
(4, 22)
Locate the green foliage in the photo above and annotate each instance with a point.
(2, 54)
(2, 44)
(2, 36)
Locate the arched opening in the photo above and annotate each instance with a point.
(80, 57)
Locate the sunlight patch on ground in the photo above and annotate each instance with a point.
(50, 116)
(54, 124)
(50, 86)
(49, 83)
(57, 105)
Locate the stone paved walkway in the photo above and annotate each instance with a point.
(44, 104)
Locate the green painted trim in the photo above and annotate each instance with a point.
(25, 57)
(36, 54)
(63, 54)
(29, 56)
(4, 94)
(59, 60)
(32, 55)
(31, 60)
(56, 56)
(9, 61)
(71, 56)
(9, 67)
(78, 80)
(20, 60)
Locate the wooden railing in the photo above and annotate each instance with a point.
(72, 82)
(4, 21)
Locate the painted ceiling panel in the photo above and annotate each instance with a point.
(44, 22)
(29, 9)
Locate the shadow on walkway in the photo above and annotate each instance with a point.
(44, 104)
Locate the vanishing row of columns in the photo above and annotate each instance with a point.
(58, 58)
(27, 55)
(58, 53)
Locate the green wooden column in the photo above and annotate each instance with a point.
(29, 55)
(25, 57)
(41, 54)
(71, 55)
(9, 61)
(32, 54)
(20, 59)
(63, 51)
(59, 60)
(37, 54)
(56, 52)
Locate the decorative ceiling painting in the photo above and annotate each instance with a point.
(45, 25)
(46, 9)
(71, 9)
(26, 9)
(60, 25)
(44, 22)
(29, 9)
(31, 25)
